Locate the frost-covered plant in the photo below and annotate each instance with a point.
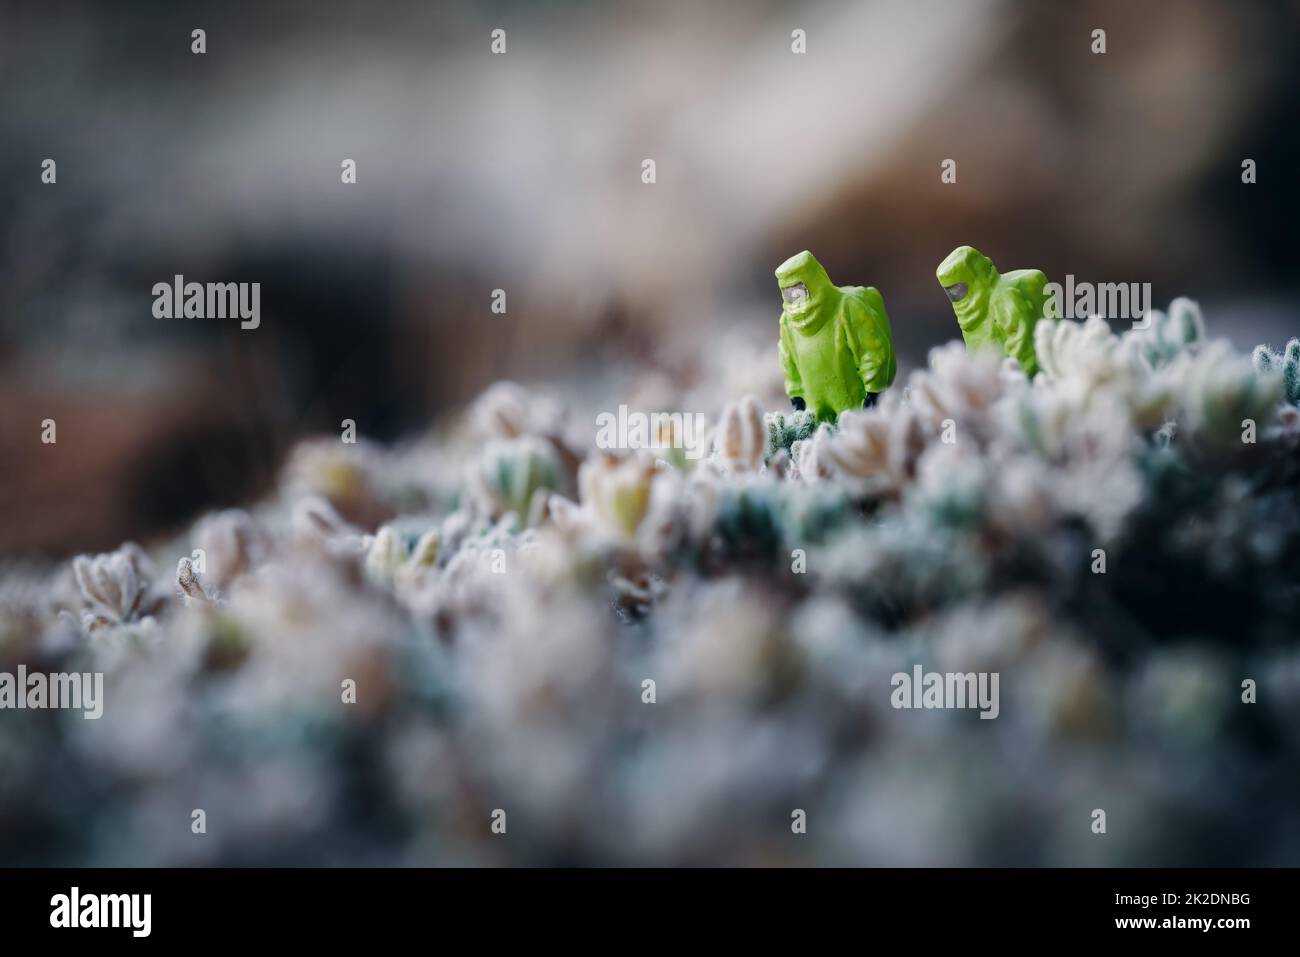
(350, 478)
(514, 609)
(1222, 393)
(741, 436)
(784, 429)
(616, 492)
(958, 387)
(116, 588)
(518, 475)
(811, 457)
(232, 543)
(873, 451)
(1287, 362)
(394, 556)
(226, 545)
(188, 584)
(1162, 336)
(314, 523)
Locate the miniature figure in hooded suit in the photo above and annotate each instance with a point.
(836, 350)
(995, 310)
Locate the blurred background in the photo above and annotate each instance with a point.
(522, 172)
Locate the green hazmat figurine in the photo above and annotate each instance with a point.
(836, 350)
(992, 309)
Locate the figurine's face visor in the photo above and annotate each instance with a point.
(795, 296)
(957, 291)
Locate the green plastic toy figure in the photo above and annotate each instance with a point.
(992, 309)
(836, 350)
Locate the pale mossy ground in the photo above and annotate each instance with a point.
(402, 642)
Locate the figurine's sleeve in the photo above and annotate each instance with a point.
(1027, 305)
(1033, 283)
(1017, 321)
(1019, 333)
(793, 381)
(869, 338)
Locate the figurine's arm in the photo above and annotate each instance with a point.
(1014, 322)
(793, 381)
(1032, 283)
(1020, 320)
(870, 341)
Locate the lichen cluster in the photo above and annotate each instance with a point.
(641, 658)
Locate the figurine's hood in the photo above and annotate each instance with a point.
(967, 276)
(804, 269)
